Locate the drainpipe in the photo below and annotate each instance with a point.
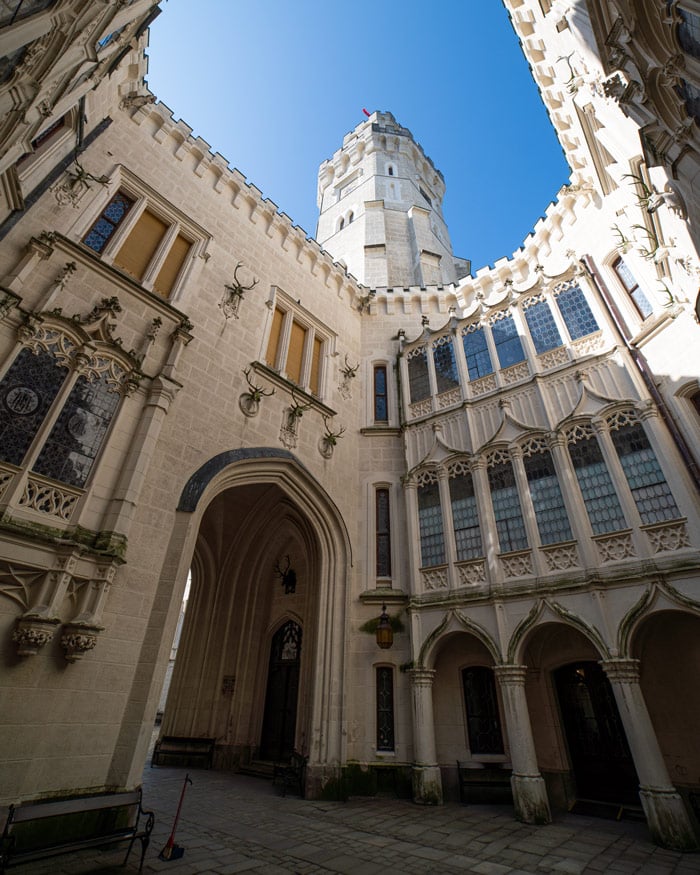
(643, 367)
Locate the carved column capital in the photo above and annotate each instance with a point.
(511, 675)
(623, 671)
(422, 677)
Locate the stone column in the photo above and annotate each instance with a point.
(427, 780)
(448, 530)
(529, 791)
(666, 815)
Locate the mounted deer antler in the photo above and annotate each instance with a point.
(288, 575)
(256, 392)
(331, 437)
(234, 294)
(349, 371)
(297, 408)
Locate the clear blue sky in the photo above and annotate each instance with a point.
(274, 85)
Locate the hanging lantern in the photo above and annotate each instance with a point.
(385, 634)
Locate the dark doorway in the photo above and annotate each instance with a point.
(600, 758)
(280, 718)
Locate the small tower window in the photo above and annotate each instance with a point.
(351, 216)
(390, 170)
(341, 224)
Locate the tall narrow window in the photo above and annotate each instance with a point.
(547, 500)
(274, 340)
(543, 329)
(418, 379)
(171, 267)
(75, 440)
(383, 533)
(599, 496)
(315, 376)
(110, 219)
(295, 353)
(385, 708)
(508, 346)
(647, 483)
(137, 251)
(640, 300)
(577, 315)
(27, 391)
(446, 374)
(506, 508)
(477, 352)
(432, 537)
(381, 407)
(481, 704)
(465, 518)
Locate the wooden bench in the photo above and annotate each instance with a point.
(37, 830)
(175, 750)
(291, 774)
(488, 784)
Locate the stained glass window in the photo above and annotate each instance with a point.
(576, 313)
(481, 704)
(508, 346)
(112, 216)
(26, 392)
(383, 532)
(543, 329)
(75, 440)
(432, 538)
(477, 352)
(381, 409)
(385, 708)
(688, 31)
(626, 277)
(465, 518)
(506, 508)
(418, 379)
(547, 500)
(647, 483)
(599, 496)
(445, 365)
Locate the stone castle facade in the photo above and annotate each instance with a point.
(503, 463)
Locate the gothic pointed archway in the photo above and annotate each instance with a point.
(243, 518)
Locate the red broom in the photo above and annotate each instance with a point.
(171, 851)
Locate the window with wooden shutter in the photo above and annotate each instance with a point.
(316, 366)
(295, 354)
(172, 266)
(140, 246)
(274, 341)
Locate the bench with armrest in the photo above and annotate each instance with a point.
(38, 830)
(291, 774)
(177, 750)
(479, 783)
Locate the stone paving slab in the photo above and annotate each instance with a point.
(235, 823)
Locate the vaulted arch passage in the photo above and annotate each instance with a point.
(261, 645)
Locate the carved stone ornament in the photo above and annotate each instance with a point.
(33, 632)
(78, 638)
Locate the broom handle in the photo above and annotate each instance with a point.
(188, 780)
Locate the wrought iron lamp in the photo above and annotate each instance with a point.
(385, 634)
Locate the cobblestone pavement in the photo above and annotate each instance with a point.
(235, 823)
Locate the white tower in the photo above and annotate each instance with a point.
(380, 204)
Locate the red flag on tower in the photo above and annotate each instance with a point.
(365, 112)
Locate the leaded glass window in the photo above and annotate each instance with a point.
(465, 517)
(547, 500)
(575, 312)
(418, 379)
(690, 95)
(543, 329)
(626, 277)
(599, 496)
(506, 508)
(446, 373)
(508, 346)
(112, 216)
(688, 31)
(477, 352)
(385, 708)
(381, 408)
(647, 483)
(432, 537)
(481, 704)
(383, 533)
(27, 391)
(75, 440)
